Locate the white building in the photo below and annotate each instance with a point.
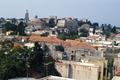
(29, 45)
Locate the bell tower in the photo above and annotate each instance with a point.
(26, 16)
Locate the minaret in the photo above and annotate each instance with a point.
(26, 16)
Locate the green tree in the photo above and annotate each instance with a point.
(38, 56)
(23, 61)
(13, 61)
(71, 35)
(94, 27)
(114, 30)
(84, 33)
(21, 28)
(10, 27)
(51, 23)
(106, 30)
(59, 48)
(62, 36)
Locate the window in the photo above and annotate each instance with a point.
(72, 57)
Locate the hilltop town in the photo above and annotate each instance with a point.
(58, 49)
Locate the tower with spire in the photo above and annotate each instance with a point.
(26, 16)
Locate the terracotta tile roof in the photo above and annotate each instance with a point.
(39, 38)
(55, 40)
(23, 37)
(67, 43)
(117, 35)
(50, 39)
(93, 37)
(79, 44)
(97, 46)
(16, 45)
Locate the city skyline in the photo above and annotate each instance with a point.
(102, 11)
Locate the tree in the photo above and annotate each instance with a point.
(51, 23)
(13, 61)
(21, 28)
(14, 20)
(95, 24)
(10, 27)
(59, 48)
(109, 27)
(23, 61)
(68, 36)
(81, 22)
(94, 27)
(84, 33)
(62, 36)
(106, 30)
(114, 30)
(102, 26)
(38, 57)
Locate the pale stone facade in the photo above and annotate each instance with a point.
(61, 23)
(117, 63)
(78, 70)
(76, 54)
(67, 25)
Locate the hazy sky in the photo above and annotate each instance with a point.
(103, 11)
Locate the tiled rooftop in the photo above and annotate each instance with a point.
(67, 43)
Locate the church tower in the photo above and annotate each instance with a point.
(26, 16)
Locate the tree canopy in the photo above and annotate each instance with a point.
(23, 61)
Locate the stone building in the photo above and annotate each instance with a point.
(82, 59)
(73, 49)
(117, 64)
(78, 70)
(91, 70)
(36, 24)
(67, 25)
(76, 50)
(26, 16)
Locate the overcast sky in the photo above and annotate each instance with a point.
(103, 11)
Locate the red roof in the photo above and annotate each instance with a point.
(93, 37)
(18, 45)
(117, 35)
(67, 43)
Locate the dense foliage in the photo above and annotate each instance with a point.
(23, 61)
(16, 28)
(59, 48)
(65, 36)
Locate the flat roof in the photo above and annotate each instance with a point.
(55, 78)
(44, 78)
(78, 63)
(22, 79)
